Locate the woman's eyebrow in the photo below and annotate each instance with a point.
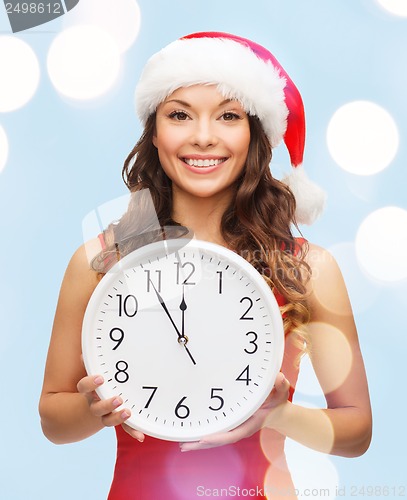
(187, 105)
(178, 101)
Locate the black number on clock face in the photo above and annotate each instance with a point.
(150, 283)
(117, 335)
(253, 342)
(244, 376)
(128, 306)
(182, 411)
(154, 389)
(219, 400)
(121, 375)
(244, 315)
(189, 267)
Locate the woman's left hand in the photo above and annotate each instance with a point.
(277, 397)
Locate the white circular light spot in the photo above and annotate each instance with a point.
(83, 62)
(307, 380)
(397, 7)
(3, 148)
(362, 138)
(122, 23)
(381, 243)
(313, 473)
(20, 73)
(225, 467)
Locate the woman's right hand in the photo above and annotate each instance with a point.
(106, 410)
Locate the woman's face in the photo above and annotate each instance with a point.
(202, 140)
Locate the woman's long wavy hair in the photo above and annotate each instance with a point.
(257, 224)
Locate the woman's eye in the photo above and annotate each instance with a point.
(229, 116)
(178, 115)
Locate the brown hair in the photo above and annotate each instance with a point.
(257, 223)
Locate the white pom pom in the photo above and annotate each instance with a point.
(310, 198)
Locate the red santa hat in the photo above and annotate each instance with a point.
(245, 71)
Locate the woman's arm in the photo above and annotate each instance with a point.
(344, 427)
(69, 408)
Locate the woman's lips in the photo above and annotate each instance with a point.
(203, 162)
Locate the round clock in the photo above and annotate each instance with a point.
(188, 333)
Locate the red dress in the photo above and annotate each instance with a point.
(254, 467)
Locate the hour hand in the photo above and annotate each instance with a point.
(183, 307)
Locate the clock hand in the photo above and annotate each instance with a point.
(183, 307)
(181, 338)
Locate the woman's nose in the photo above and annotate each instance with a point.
(204, 134)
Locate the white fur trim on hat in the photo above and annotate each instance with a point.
(235, 69)
(309, 197)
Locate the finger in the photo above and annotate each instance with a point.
(281, 384)
(89, 384)
(244, 430)
(193, 446)
(213, 441)
(134, 433)
(116, 418)
(101, 408)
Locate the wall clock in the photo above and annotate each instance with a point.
(188, 333)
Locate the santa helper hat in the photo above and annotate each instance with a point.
(245, 71)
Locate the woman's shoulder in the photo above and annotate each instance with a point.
(327, 286)
(84, 255)
(319, 258)
(80, 274)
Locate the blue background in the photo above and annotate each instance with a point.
(65, 160)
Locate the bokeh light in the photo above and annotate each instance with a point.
(83, 62)
(381, 243)
(224, 468)
(122, 23)
(362, 138)
(314, 474)
(272, 442)
(307, 383)
(20, 73)
(3, 148)
(396, 7)
(324, 263)
(332, 352)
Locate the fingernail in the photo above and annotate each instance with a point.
(140, 440)
(125, 415)
(116, 402)
(98, 380)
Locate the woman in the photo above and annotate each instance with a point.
(214, 106)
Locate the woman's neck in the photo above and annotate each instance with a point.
(202, 216)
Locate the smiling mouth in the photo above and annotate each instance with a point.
(203, 163)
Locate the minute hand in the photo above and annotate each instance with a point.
(181, 338)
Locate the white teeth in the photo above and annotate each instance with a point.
(202, 163)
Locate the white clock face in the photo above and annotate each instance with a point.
(189, 334)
